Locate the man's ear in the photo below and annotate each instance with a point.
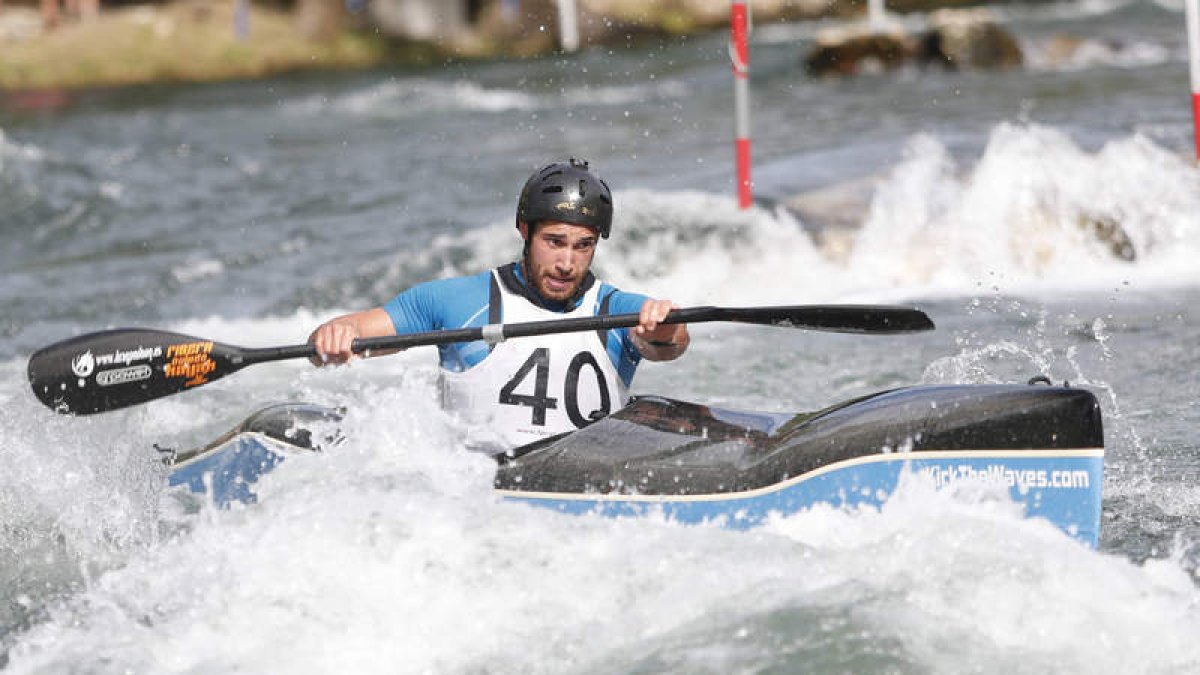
(524, 229)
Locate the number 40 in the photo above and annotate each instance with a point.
(540, 402)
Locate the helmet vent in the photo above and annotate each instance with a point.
(552, 188)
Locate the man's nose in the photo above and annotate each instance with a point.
(566, 261)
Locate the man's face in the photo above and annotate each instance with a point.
(559, 256)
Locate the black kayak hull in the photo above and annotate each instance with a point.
(1043, 445)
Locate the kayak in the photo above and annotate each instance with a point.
(693, 463)
(227, 468)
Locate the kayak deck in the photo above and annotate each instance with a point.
(696, 464)
(644, 447)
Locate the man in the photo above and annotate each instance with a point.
(525, 389)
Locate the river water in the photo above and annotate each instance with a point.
(248, 212)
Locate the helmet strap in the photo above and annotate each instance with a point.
(530, 228)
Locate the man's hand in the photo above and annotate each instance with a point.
(334, 339)
(659, 342)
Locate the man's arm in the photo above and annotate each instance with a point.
(659, 342)
(334, 337)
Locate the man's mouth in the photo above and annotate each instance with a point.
(557, 285)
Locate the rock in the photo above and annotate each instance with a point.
(956, 38)
(858, 48)
(1109, 232)
(969, 39)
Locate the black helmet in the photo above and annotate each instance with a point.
(566, 192)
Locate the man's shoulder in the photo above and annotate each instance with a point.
(454, 286)
(440, 303)
(621, 302)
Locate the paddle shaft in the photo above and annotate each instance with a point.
(493, 333)
(838, 318)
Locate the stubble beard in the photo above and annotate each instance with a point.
(560, 295)
(540, 278)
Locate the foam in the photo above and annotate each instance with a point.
(403, 98)
(391, 555)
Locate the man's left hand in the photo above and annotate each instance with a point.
(657, 341)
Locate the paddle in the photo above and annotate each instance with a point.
(113, 369)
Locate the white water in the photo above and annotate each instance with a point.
(1019, 216)
(416, 97)
(390, 554)
(1015, 219)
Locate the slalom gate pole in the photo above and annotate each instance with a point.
(739, 53)
(1192, 9)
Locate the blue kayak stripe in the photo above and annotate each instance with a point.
(1062, 486)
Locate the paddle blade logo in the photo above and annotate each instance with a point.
(191, 360)
(111, 378)
(83, 364)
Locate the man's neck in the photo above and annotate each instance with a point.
(532, 294)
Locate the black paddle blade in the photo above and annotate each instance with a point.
(876, 319)
(118, 368)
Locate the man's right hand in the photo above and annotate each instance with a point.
(334, 339)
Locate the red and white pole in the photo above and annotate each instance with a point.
(739, 52)
(1192, 9)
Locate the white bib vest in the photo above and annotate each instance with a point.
(532, 387)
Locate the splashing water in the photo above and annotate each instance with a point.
(1035, 208)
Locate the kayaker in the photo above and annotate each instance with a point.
(523, 390)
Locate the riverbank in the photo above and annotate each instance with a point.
(202, 40)
(183, 41)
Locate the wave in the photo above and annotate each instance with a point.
(391, 555)
(1072, 53)
(10, 149)
(19, 165)
(400, 99)
(1034, 212)
(1035, 209)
